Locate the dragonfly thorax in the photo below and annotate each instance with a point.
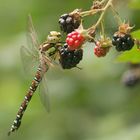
(44, 47)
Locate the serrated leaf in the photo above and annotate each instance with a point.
(133, 55)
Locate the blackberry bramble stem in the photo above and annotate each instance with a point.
(109, 3)
(90, 12)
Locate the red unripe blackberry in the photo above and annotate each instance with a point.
(122, 41)
(68, 23)
(74, 40)
(100, 51)
(69, 58)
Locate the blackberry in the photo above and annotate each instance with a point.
(75, 40)
(100, 51)
(132, 76)
(130, 79)
(69, 23)
(102, 47)
(134, 66)
(123, 41)
(69, 58)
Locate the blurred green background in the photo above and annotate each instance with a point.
(87, 104)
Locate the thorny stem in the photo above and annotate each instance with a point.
(90, 12)
(109, 3)
(103, 1)
(93, 11)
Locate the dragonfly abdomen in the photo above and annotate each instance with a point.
(27, 98)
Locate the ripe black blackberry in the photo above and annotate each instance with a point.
(130, 78)
(69, 23)
(69, 58)
(122, 41)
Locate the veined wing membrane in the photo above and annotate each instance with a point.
(44, 94)
(32, 37)
(30, 61)
(55, 71)
(30, 54)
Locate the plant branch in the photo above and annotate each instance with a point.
(103, 1)
(90, 12)
(93, 11)
(109, 3)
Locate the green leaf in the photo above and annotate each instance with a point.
(136, 34)
(134, 4)
(133, 55)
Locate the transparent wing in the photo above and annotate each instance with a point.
(44, 94)
(32, 38)
(55, 71)
(30, 60)
(30, 54)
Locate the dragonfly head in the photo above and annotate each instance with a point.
(54, 37)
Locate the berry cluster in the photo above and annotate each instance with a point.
(76, 36)
(69, 58)
(70, 53)
(122, 42)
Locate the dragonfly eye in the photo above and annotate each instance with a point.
(59, 35)
(54, 39)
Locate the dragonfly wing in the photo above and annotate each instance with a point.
(32, 37)
(30, 54)
(55, 70)
(30, 60)
(44, 94)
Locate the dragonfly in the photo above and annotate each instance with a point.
(47, 53)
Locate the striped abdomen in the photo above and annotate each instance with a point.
(35, 82)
